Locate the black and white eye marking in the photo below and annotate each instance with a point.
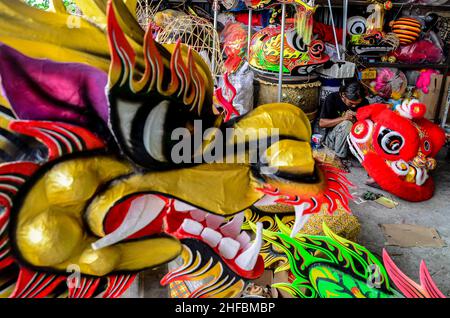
(390, 141)
(153, 134)
(140, 130)
(296, 41)
(356, 25)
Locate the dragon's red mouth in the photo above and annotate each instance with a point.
(223, 236)
(143, 215)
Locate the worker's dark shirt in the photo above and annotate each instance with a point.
(334, 107)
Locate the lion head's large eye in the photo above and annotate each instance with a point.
(426, 147)
(356, 25)
(391, 142)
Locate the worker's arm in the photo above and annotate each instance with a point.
(330, 123)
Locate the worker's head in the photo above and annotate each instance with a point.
(352, 93)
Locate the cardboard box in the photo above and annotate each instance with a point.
(269, 278)
(445, 102)
(432, 98)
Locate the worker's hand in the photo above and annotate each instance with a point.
(349, 115)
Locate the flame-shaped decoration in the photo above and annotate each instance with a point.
(185, 81)
(214, 278)
(336, 193)
(222, 102)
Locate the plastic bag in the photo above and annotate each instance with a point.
(390, 83)
(421, 51)
(242, 81)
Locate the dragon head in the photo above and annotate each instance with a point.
(330, 266)
(115, 206)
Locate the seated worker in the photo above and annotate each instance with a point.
(338, 115)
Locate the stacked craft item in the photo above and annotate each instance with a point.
(419, 39)
(300, 56)
(94, 188)
(197, 33)
(368, 40)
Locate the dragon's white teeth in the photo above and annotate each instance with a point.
(183, 207)
(243, 239)
(214, 221)
(211, 237)
(300, 218)
(192, 227)
(267, 200)
(247, 260)
(233, 227)
(228, 248)
(141, 213)
(198, 215)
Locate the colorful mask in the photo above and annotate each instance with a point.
(332, 267)
(373, 44)
(299, 58)
(234, 45)
(302, 54)
(303, 17)
(369, 40)
(115, 202)
(262, 4)
(397, 148)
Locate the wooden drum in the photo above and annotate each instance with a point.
(299, 93)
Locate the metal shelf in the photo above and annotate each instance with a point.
(337, 4)
(442, 66)
(194, 1)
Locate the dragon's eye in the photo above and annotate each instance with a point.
(390, 141)
(356, 25)
(426, 148)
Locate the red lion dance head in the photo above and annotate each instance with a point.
(397, 148)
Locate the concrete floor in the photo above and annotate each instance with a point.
(433, 213)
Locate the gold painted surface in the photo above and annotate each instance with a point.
(341, 222)
(290, 120)
(223, 189)
(291, 156)
(51, 231)
(41, 34)
(304, 96)
(292, 188)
